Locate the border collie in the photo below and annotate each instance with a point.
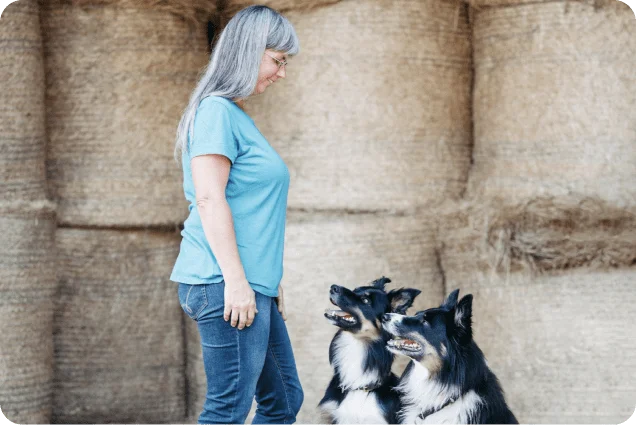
(447, 380)
(361, 390)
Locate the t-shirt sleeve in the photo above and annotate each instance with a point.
(212, 132)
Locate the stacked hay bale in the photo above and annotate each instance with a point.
(27, 292)
(554, 101)
(553, 285)
(27, 223)
(23, 132)
(375, 112)
(118, 333)
(546, 240)
(373, 122)
(118, 75)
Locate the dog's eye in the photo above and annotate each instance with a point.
(365, 300)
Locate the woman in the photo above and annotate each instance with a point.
(231, 259)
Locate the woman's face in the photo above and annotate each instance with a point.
(269, 71)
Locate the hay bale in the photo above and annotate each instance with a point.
(322, 250)
(192, 11)
(118, 329)
(22, 124)
(375, 111)
(480, 4)
(548, 234)
(27, 290)
(230, 7)
(556, 338)
(117, 81)
(555, 102)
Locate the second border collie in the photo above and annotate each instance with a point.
(448, 380)
(361, 390)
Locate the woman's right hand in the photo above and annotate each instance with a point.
(240, 303)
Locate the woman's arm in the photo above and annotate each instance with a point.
(210, 175)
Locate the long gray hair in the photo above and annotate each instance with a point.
(233, 68)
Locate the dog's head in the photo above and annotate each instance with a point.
(360, 310)
(432, 336)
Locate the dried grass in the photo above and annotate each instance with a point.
(553, 234)
(542, 235)
(22, 122)
(598, 4)
(190, 10)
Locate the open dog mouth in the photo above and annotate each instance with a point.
(339, 315)
(404, 344)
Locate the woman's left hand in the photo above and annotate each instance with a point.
(280, 302)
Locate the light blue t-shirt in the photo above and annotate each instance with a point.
(256, 192)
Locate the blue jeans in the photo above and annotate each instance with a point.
(240, 364)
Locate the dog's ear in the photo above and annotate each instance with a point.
(379, 283)
(401, 299)
(420, 315)
(451, 301)
(463, 319)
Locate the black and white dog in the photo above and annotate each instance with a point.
(447, 380)
(361, 390)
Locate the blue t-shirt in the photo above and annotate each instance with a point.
(256, 192)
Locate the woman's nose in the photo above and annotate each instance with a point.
(282, 73)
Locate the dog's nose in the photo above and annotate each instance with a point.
(334, 289)
(385, 317)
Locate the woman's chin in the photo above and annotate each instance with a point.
(260, 89)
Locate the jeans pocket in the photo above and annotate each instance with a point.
(193, 299)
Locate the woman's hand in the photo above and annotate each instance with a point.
(240, 303)
(280, 302)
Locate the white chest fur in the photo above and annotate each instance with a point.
(457, 412)
(359, 407)
(349, 356)
(419, 394)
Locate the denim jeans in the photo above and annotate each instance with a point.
(256, 361)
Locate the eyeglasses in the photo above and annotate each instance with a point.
(281, 63)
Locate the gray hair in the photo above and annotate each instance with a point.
(233, 68)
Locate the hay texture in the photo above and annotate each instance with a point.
(548, 234)
(118, 329)
(480, 4)
(27, 290)
(230, 7)
(553, 301)
(22, 121)
(555, 102)
(193, 11)
(117, 82)
(374, 113)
